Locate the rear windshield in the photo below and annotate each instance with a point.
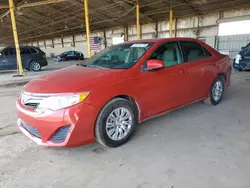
(122, 56)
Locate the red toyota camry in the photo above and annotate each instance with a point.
(105, 97)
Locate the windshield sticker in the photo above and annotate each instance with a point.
(139, 45)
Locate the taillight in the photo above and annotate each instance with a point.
(44, 56)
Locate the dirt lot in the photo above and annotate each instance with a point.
(199, 146)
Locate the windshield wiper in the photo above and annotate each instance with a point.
(80, 64)
(97, 66)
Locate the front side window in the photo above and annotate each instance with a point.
(169, 53)
(121, 56)
(192, 51)
(70, 53)
(6, 51)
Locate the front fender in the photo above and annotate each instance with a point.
(100, 97)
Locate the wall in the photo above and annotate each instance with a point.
(204, 27)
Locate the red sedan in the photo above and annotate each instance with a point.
(105, 97)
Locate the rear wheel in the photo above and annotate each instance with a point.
(35, 66)
(216, 91)
(115, 123)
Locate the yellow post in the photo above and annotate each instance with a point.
(13, 21)
(175, 27)
(138, 20)
(86, 9)
(170, 22)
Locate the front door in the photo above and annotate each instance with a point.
(166, 88)
(3, 63)
(11, 58)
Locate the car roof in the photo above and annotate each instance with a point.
(23, 47)
(163, 39)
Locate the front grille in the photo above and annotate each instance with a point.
(31, 101)
(32, 130)
(60, 135)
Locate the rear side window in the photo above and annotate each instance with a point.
(33, 51)
(192, 51)
(24, 51)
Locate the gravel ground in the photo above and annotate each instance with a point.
(199, 146)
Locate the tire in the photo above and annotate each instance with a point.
(35, 66)
(103, 127)
(219, 87)
(240, 70)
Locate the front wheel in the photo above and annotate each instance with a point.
(35, 66)
(115, 123)
(216, 91)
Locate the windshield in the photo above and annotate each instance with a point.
(121, 56)
(247, 47)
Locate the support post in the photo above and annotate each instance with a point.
(62, 42)
(86, 10)
(126, 33)
(105, 39)
(53, 44)
(13, 21)
(170, 22)
(156, 30)
(175, 27)
(138, 20)
(73, 41)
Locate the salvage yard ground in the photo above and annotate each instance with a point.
(199, 146)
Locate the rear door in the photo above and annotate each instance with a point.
(26, 56)
(197, 61)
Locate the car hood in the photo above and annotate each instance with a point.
(74, 79)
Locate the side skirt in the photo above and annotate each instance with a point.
(166, 112)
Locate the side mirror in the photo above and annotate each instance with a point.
(243, 48)
(154, 65)
(1, 54)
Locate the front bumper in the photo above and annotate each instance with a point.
(57, 59)
(243, 64)
(73, 126)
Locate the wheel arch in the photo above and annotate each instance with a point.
(128, 98)
(133, 102)
(223, 75)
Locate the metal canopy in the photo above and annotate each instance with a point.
(37, 20)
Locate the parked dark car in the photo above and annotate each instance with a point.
(33, 58)
(242, 59)
(69, 55)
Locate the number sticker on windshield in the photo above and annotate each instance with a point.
(139, 45)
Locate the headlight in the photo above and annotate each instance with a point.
(238, 58)
(62, 101)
